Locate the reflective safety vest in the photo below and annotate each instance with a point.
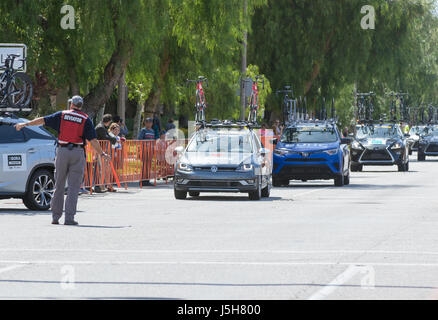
(72, 126)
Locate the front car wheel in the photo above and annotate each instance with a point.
(40, 190)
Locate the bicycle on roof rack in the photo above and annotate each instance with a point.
(254, 99)
(397, 96)
(200, 103)
(289, 104)
(365, 107)
(16, 88)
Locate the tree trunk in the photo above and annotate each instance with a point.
(100, 94)
(317, 64)
(151, 104)
(99, 115)
(121, 100)
(137, 120)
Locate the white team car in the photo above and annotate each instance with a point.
(27, 163)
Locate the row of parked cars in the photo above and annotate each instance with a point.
(230, 157)
(225, 156)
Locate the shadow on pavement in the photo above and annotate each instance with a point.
(225, 198)
(224, 284)
(100, 227)
(377, 186)
(23, 212)
(26, 212)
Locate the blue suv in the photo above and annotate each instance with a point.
(311, 150)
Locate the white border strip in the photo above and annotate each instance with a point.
(222, 251)
(241, 263)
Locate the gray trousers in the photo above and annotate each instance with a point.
(69, 164)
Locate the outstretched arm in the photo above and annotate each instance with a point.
(36, 122)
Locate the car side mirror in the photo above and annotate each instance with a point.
(179, 149)
(274, 141)
(347, 141)
(264, 151)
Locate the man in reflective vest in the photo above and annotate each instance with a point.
(74, 128)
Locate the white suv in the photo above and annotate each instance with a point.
(27, 163)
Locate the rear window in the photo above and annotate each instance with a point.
(8, 134)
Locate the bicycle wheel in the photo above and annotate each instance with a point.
(20, 91)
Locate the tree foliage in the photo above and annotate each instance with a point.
(317, 46)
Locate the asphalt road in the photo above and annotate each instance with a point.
(374, 239)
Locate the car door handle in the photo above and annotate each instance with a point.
(32, 150)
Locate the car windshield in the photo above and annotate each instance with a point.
(219, 141)
(433, 133)
(309, 135)
(381, 131)
(416, 130)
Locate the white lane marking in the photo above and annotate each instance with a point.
(244, 263)
(312, 191)
(222, 251)
(10, 268)
(335, 283)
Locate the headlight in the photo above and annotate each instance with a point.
(356, 145)
(182, 166)
(331, 152)
(245, 167)
(281, 152)
(396, 145)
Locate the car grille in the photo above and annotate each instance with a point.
(214, 184)
(306, 160)
(432, 148)
(219, 169)
(305, 170)
(379, 155)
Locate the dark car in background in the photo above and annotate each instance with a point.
(381, 144)
(428, 143)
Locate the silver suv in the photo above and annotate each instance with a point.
(223, 157)
(27, 163)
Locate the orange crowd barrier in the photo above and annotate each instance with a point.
(134, 161)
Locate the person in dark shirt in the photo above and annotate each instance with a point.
(103, 135)
(123, 128)
(170, 125)
(148, 134)
(102, 129)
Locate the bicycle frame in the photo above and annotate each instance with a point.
(288, 104)
(6, 76)
(200, 103)
(254, 100)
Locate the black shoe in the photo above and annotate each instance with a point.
(71, 223)
(98, 189)
(55, 222)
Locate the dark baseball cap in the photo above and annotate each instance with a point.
(148, 120)
(77, 101)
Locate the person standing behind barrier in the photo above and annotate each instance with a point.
(147, 133)
(170, 125)
(277, 128)
(102, 135)
(156, 126)
(74, 128)
(123, 128)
